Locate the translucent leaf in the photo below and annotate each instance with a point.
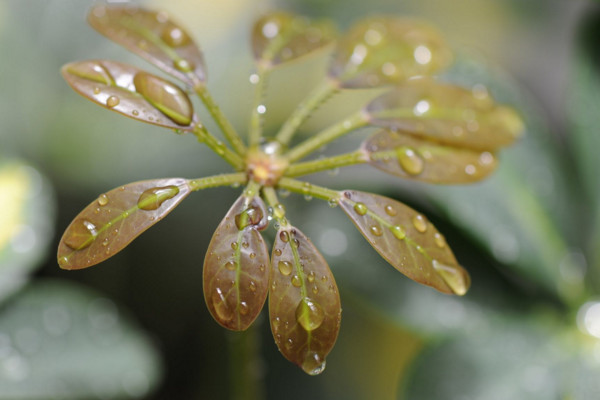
(131, 92)
(63, 341)
(236, 267)
(153, 36)
(407, 240)
(383, 50)
(281, 37)
(304, 303)
(406, 156)
(448, 114)
(115, 218)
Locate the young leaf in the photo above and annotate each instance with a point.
(400, 154)
(406, 240)
(446, 113)
(382, 50)
(117, 217)
(304, 303)
(280, 37)
(131, 92)
(153, 36)
(236, 266)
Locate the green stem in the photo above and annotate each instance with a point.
(218, 147)
(217, 180)
(321, 93)
(256, 119)
(308, 189)
(335, 131)
(230, 134)
(311, 167)
(244, 357)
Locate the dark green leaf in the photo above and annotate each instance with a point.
(112, 221)
(407, 240)
(153, 36)
(236, 267)
(304, 303)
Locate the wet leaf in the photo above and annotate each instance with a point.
(280, 37)
(407, 240)
(383, 50)
(236, 267)
(131, 92)
(115, 218)
(304, 303)
(399, 153)
(153, 36)
(448, 114)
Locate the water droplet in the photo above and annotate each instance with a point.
(262, 267)
(284, 236)
(165, 96)
(275, 323)
(285, 267)
(252, 215)
(105, 242)
(261, 109)
(97, 90)
(230, 265)
(390, 210)
(419, 223)
(81, 234)
(440, 241)
(135, 113)
(252, 286)
(277, 252)
(315, 289)
(398, 232)
(234, 245)
(296, 281)
(422, 55)
(311, 276)
(223, 310)
(486, 158)
(279, 211)
(270, 29)
(470, 169)
(456, 278)
(410, 161)
(152, 199)
(254, 79)
(375, 230)
(333, 202)
(309, 314)
(244, 308)
(252, 255)
(112, 101)
(313, 364)
(103, 199)
(245, 245)
(175, 37)
(183, 65)
(360, 208)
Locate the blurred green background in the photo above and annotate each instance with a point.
(136, 326)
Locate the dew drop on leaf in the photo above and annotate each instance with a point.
(419, 223)
(165, 96)
(81, 234)
(112, 101)
(175, 37)
(284, 236)
(309, 314)
(183, 65)
(103, 200)
(439, 240)
(457, 279)
(410, 161)
(390, 210)
(285, 267)
(230, 265)
(360, 208)
(223, 310)
(244, 308)
(375, 230)
(313, 364)
(250, 216)
(296, 281)
(152, 199)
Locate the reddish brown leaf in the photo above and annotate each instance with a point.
(447, 114)
(281, 37)
(383, 50)
(131, 92)
(112, 221)
(153, 36)
(236, 266)
(304, 304)
(407, 240)
(401, 154)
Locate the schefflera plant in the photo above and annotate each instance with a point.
(429, 131)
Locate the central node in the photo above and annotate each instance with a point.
(264, 163)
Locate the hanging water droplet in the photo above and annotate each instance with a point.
(439, 240)
(223, 310)
(81, 234)
(360, 208)
(112, 101)
(230, 265)
(419, 223)
(279, 211)
(152, 199)
(456, 278)
(175, 37)
(333, 202)
(285, 267)
(309, 314)
(313, 364)
(244, 308)
(103, 200)
(165, 96)
(296, 281)
(375, 230)
(410, 161)
(252, 215)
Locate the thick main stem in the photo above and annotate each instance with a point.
(311, 167)
(218, 147)
(215, 111)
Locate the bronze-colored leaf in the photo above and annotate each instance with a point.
(112, 221)
(131, 92)
(304, 304)
(447, 114)
(407, 240)
(385, 50)
(280, 37)
(401, 154)
(236, 266)
(153, 36)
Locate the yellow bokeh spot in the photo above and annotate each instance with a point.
(14, 185)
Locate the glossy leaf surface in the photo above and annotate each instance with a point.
(304, 303)
(448, 114)
(117, 217)
(407, 240)
(153, 36)
(281, 37)
(236, 266)
(382, 50)
(131, 92)
(403, 155)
